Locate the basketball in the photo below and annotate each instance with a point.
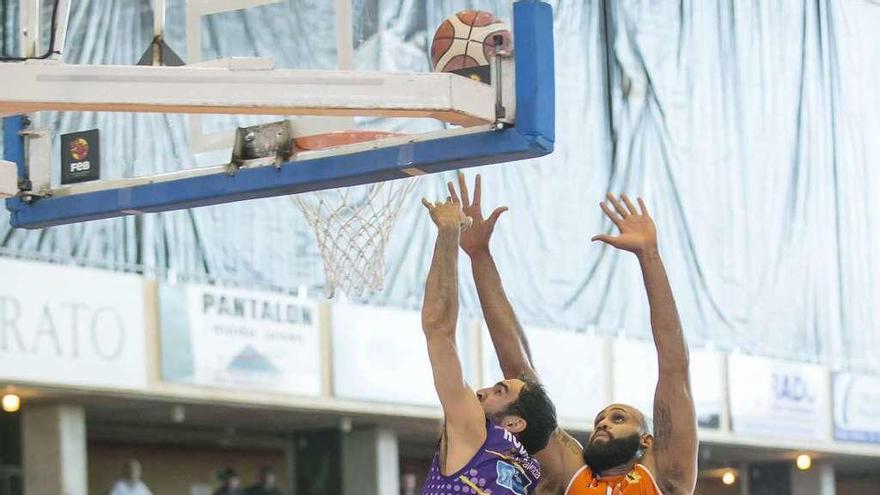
(467, 39)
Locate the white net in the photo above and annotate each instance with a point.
(352, 226)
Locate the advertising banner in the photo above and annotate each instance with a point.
(856, 407)
(71, 326)
(380, 354)
(778, 398)
(635, 379)
(572, 366)
(240, 339)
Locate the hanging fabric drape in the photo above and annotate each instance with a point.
(749, 127)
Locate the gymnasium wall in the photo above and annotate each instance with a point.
(176, 469)
(129, 338)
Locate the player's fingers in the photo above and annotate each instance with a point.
(611, 214)
(617, 205)
(607, 239)
(462, 186)
(427, 204)
(452, 192)
(629, 205)
(495, 214)
(642, 206)
(478, 190)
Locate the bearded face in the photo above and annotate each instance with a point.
(602, 454)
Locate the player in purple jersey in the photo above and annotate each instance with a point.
(489, 436)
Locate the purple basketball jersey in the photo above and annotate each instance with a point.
(501, 467)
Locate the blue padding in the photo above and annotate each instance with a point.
(535, 81)
(295, 177)
(13, 142)
(532, 136)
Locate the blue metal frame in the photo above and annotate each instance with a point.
(532, 136)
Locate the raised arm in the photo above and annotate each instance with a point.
(563, 455)
(465, 420)
(674, 452)
(508, 338)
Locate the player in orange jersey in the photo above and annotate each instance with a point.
(624, 455)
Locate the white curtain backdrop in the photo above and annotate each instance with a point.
(750, 127)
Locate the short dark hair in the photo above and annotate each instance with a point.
(534, 406)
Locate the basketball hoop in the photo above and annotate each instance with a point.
(352, 224)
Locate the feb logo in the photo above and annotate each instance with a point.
(80, 156)
(792, 388)
(79, 149)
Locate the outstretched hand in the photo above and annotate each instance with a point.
(447, 214)
(637, 231)
(475, 240)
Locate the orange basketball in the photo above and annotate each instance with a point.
(467, 39)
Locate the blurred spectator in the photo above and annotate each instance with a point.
(231, 483)
(267, 485)
(408, 484)
(130, 483)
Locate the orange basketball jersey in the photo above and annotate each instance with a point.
(638, 482)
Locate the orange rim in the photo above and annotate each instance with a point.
(340, 138)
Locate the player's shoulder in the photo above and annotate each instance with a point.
(572, 452)
(560, 461)
(550, 486)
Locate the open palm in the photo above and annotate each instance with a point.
(476, 238)
(637, 231)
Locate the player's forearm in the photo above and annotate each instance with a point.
(675, 425)
(440, 308)
(508, 338)
(669, 339)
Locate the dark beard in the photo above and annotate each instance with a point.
(616, 452)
